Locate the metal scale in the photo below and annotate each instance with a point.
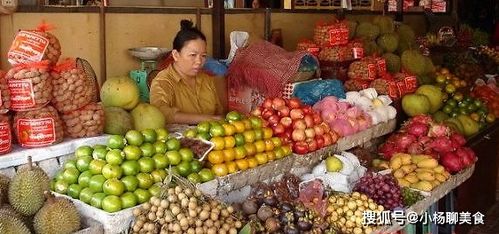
(148, 59)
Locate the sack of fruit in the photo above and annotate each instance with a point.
(85, 122)
(38, 128)
(73, 89)
(35, 46)
(309, 46)
(5, 135)
(29, 85)
(4, 94)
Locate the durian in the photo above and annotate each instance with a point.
(26, 189)
(414, 62)
(385, 24)
(12, 225)
(392, 62)
(367, 31)
(352, 27)
(406, 33)
(389, 42)
(371, 48)
(57, 216)
(4, 188)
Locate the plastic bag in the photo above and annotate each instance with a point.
(215, 67)
(308, 64)
(313, 91)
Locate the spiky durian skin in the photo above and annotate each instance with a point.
(57, 216)
(12, 225)
(26, 190)
(4, 188)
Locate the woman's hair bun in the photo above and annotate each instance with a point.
(186, 24)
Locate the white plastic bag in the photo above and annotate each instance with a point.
(238, 39)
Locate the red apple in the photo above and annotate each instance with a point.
(278, 103)
(273, 120)
(319, 131)
(286, 135)
(312, 144)
(317, 118)
(300, 147)
(286, 121)
(294, 103)
(299, 124)
(267, 112)
(320, 141)
(310, 133)
(267, 103)
(296, 114)
(278, 129)
(283, 111)
(298, 135)
(307, 109)
(257, 111)
(309, 120)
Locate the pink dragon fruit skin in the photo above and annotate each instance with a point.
(415, 148)
(442, 145)
(424, 119)
(438, 130)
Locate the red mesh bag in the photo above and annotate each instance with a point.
(265, 67)
(5, 135)
(38, 128)
(4, 94)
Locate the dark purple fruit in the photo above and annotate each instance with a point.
(264, 213)
(286, 207)
(287, 217)
(299, 214)
(270, 200)
(250, 207)
(304, 225)
(272, 225)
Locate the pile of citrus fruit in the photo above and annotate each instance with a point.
(240, 143)
(128, 170)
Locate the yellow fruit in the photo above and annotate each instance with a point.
(406, 159)
(439, 169)
(424, 170)
(428, 163)
(399, 173)
(229, 129)
(229, 142)
(411, 178)
(395, 163)
(435, 183)
(219, 143)
(408, 168)
(440, 177)
(242, 164)
(423, 186)
(231, 167)
(229, 155)
(247, 124)
(403, 182)
(270, 155)
(250, 149)
(260, 146)
(252, 163)
(239, 126)
(269, 145)
(261, 158)
(219, 169)
(267, 133)
(216, 157)
(418, 157)
(425, 176)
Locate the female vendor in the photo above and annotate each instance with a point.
(182, 91)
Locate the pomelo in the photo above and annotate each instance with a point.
(118, 121)
(121, 92)
(147, 116)
(415, 104)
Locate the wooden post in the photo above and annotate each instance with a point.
(102, 41)
(218, 22)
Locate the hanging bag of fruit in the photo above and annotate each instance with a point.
(29, 85)
(4, 94)
(84, 122)
(5, 135)
(35, 46)
(38, 128)
(73, 89)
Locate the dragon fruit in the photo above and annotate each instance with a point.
(417, 129)
(457, 139)
(451, 162)
(415, 148)
(466, 155)
(403, 140)
(442, 145)
(422, 119)
(388, 149)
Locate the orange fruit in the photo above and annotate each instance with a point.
(261, 158)
(250, 149)
(220, 169)
(219, 142)
(240, 152)
(229, 154)
(270, 155)
(475, 116)
(216, 157)
(279, 153)
(277, 141)
(287, 150)
(260, 146)
(231, 167)
(247, 124)
(242, 164)
(252, 162)
(249, 136)
(269, 145)
(229, 129)
(239, 126)
(267, 133)
(230, 142)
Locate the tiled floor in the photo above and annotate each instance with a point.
(491, 222)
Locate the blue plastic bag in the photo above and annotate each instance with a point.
(313, 91)
(215, 67)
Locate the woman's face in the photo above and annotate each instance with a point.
(191, 58)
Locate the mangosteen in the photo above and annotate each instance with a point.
(304, 225)
(299, 214)
(264, 213)
(291, 229)
(250, 207)
(270, 200)
(287, 217)
(286, 207)
(272, 225)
